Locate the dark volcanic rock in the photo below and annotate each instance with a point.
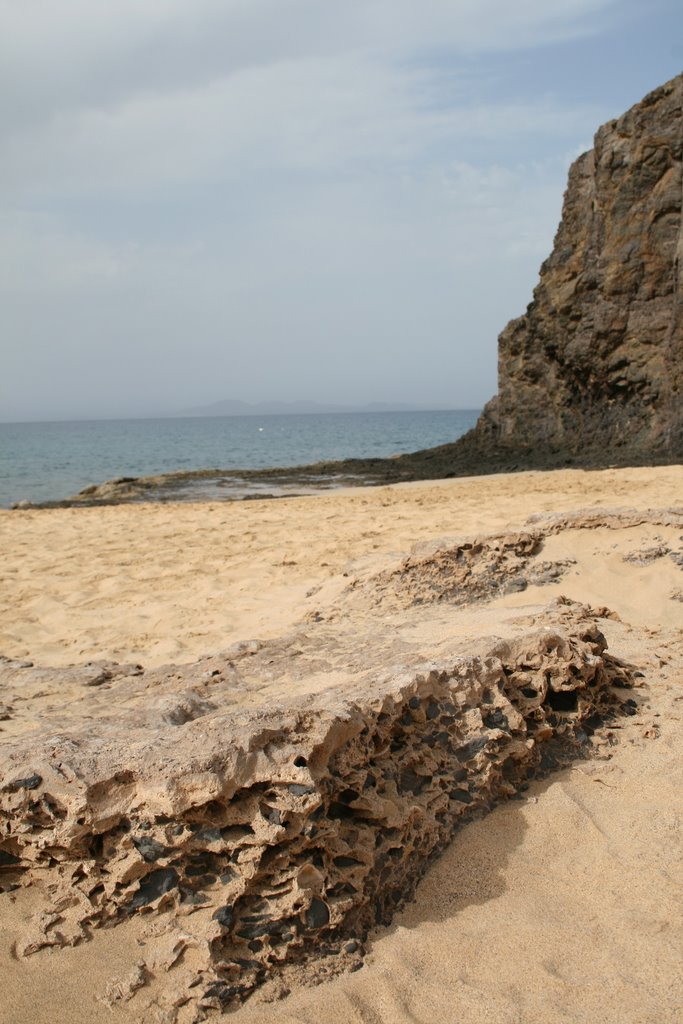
(594, 368)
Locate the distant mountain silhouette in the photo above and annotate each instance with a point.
(235, 407)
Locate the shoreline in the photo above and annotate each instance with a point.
(461, 459)
(95, 452)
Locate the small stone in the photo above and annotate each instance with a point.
(496, 720)
(153, 886)
(318, 914)
(461, 795)
(296, 789)
(471, 749)
(30, 782)
(148, 848)
(346, 862)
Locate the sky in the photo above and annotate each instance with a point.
(290, 199)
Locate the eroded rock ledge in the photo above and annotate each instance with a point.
(263, 839)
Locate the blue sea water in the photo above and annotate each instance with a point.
(49, 461)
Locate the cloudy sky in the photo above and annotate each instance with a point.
(290, 199)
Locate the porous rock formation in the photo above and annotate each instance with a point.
(594, 369)
(262, 834)
(279, 835)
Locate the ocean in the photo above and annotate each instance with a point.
(49, 461)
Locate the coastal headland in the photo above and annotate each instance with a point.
(591, 375)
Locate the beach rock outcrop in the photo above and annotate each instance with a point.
(279, 836)
(254, 814)
(593, 371)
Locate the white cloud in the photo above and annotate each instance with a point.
(133, 94)
(75, 54)
(341, 115)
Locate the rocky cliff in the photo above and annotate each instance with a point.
(594, 368)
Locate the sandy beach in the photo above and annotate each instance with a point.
(562, 904)
(168, 583)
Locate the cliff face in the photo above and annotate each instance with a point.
(595, 366)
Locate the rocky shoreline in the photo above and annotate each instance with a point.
(469, 456)
(591, 376)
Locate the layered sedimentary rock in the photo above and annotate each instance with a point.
(594, 368)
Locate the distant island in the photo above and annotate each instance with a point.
(235, 407)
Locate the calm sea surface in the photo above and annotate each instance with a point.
(44, 461)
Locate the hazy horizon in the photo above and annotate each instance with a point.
(258, 409)
(288, 200)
